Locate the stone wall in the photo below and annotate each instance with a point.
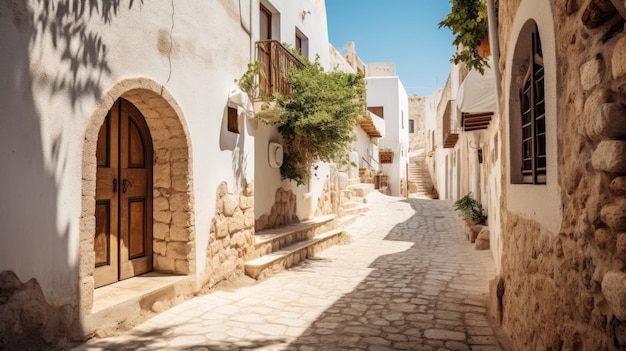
(283, 211)
(27, 321)
(328, 202)
(231, 240)
(417, 140)
(567, 290)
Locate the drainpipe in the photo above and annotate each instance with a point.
(495, 49)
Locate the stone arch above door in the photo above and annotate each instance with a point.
(173, 218)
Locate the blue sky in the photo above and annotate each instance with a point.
(401, 31)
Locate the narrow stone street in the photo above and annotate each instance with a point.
(409, 280)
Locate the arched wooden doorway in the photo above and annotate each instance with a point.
(123, 233)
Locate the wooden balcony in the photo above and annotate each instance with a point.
(450, 132)
(275, 61)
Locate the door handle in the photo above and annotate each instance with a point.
(125, 184)
(114, 185)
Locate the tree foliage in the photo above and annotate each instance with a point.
(317, 118)
(468, 22)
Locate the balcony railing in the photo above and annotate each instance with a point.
(275, 62)
(450, 132)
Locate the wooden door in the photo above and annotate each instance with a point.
(123, 237)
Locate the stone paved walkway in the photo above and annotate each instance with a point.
(409, 280)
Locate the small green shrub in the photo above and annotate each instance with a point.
(344, 238)
(471, 210)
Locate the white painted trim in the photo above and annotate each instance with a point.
(541, 203)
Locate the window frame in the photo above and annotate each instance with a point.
(264, 11)
(533, 117)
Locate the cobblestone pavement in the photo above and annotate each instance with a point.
(409, 280)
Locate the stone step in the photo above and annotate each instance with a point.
(361, 190)
(267, 265)
(345, 221)
(271, 240)
(353, 208)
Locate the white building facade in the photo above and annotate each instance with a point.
(386, 95)
(117, 120)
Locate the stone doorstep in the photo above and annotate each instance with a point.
(354, 208)
(346, 220)
(361, 190)
(255, 268)
(122, 304)
(269, 235)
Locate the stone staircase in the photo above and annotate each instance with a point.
(420, 183)
(280, 248)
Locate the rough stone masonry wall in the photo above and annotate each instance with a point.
(231, 240)
(283, 211)
(328, 202)
(567, 290)
(417, 140)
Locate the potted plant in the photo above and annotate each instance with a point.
(385, 155)
(468, 22)
(473, 214)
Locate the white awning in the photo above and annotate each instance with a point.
(477, 93)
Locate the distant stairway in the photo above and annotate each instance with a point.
(280, 248)
(420, 183)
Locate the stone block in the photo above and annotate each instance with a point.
(246, 202)
(230, 204)
(614, 215)
(482, 241)
(618, 61)
(163, 216)
(179, 233)
(179, 154)
(604, 238)
(610, 156)
(160, 231)
(236, 222)
(221, 228)
(165, 264)
(614, 291)
(590, 73)
(222, 190)
(159, 247)
(160, 203)
(180, 183)
(618, 186)
(249, 218)
(610, 120)
(162, 156)
(182, 267)
(180, 202)
(474, 231)
(177, 250)
(182, 219)
(162, 176)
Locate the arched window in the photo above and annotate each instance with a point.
(529, 162)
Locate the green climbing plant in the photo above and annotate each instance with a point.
(468, 22)
(247, 82)
(317, 118)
